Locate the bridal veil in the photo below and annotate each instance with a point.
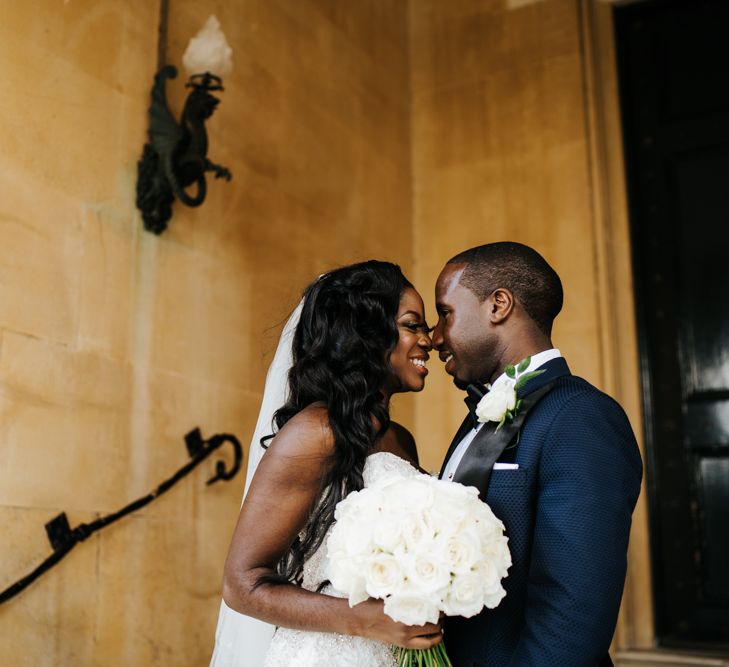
(242, 641)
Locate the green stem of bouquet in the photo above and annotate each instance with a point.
(417, 657)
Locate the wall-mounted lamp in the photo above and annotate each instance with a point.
(175, 157)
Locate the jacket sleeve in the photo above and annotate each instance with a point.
(588, 483)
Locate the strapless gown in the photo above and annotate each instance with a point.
(297, 648)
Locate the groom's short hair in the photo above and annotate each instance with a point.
(521, 270)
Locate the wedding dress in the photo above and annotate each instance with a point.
(298, 648)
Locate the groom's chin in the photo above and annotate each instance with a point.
(461, 384)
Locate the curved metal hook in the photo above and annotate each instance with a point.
(221, 472)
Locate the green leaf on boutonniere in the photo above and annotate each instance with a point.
(523, 379)
(508, 417)
(510, 371)
(523, 365)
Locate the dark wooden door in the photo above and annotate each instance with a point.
(673, 63)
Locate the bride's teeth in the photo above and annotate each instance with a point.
(419, 362)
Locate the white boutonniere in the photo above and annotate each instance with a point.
(502, 402)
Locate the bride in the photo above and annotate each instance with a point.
(359, 336)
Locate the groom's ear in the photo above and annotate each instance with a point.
(500, 305)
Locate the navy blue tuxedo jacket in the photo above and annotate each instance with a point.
(567, 512)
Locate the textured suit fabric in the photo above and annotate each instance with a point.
(567, 512)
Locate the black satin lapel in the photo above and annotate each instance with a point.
(464, 428)
(478, 461)
(483, 452)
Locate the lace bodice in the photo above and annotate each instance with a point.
(297, 648)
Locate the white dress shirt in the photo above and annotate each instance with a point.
(537, 360)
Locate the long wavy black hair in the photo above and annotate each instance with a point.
(341, 351)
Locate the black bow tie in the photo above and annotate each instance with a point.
(474, 393)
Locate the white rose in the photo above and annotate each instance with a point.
(387, 534)
(428, 572)
(339, 537)
(359, 542)
(492, 599)
(490, 528)
(353, 535)
(502, 397)
(483, 512)
(465, 596)
(409, 493)
(497, 552)
(488, 574)
(453, 491)
(347, 578)
(348, 507)
(383, 575)
(447, 513)
(412, 610)
(415, 532)
(462, 551)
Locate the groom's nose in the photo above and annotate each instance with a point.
(437, 335)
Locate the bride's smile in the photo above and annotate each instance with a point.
(410, 356)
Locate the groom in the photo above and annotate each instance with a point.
(562, 472)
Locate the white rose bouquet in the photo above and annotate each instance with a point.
(422, 545)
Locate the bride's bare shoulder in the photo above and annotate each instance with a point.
(307, 433)
(398, 440)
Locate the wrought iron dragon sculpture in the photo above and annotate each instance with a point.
(175, 157)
